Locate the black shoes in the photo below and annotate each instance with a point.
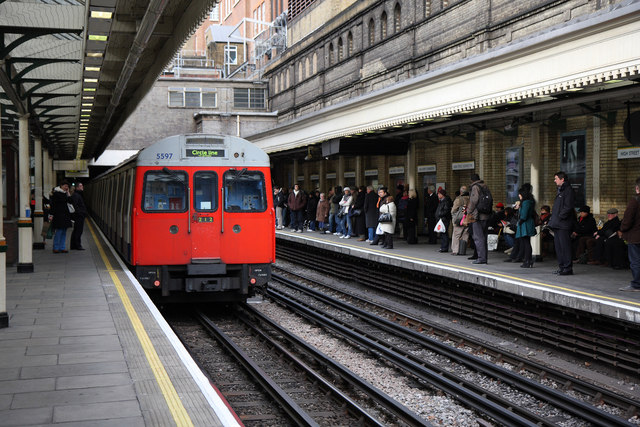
(477, 261)
(566, 273)
(526, 265)
(473, 257)
(443, 250)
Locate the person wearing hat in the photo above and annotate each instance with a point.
(583, 230)
(603, 245)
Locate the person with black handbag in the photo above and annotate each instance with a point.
(387, 221)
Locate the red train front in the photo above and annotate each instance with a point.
(201, 217)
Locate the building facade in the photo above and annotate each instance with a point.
(513, 91)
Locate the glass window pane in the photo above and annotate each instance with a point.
(205, 191)
(176, 99)
(192, 98)
(244, 191)
(164, 191)
(241, 98)
(208, 99)
(257, 98)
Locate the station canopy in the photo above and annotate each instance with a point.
(78, 68)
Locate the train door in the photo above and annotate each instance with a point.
(205, 221)
(247, 223)
(163, 234)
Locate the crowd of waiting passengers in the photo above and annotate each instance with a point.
(357, 213)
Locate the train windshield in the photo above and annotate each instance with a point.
(244, 191)
(164, 191)
(205, 194)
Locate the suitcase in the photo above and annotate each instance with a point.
(462, 248)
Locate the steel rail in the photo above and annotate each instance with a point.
(399, 410)
(435, 377)
(288, 405)
(572, 338)
(567, 403)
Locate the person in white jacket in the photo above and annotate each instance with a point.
(387, 206)
(343, 214)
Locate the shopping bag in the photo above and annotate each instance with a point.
(492, 242)
(45, 230)
(50, 232)
(440, 227)
(379, 231)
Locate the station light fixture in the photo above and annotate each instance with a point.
(99, 14)
(98, 37)
(88, 80)
(92, 69)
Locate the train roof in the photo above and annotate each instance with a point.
(203, 149)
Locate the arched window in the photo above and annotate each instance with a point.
(397, 12)
(383, 26)
(276, 82)
(288, 82)
(349, 44)
(340, 49)
(330, 53)
(315, 63)
(372, 32)
(300, 72)
(306, 67)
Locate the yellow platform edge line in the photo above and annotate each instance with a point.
(177, 409)
(491, 273)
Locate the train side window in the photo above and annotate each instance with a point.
(244, 191)
(205, 191)
(164, 191)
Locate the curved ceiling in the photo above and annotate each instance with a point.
(79, 68)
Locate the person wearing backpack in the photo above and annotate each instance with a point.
(479, 209)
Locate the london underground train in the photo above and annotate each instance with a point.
(192, 216)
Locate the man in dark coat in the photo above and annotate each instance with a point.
(78, 217)
(371, 213)
(480, 219)
(430, 205)
(561, 223)
(60, 216)
(605, 242)
(630, 231)
(297, 203)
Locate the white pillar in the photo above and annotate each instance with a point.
(37, 215)
(597, 158)
(536, 163)
(25, 225)
(410, 173)
(4, 317)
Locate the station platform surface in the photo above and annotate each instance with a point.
(594, 289)
(86, 347)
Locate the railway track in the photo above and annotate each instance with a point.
(612, 343)
(295, 377)
(382, 337)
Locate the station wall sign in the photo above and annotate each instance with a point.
(314, 177)
(350, 174)
(426, 168)
(331, 175)
(300, 177)
(395, 170)
(460, 166)
(371, 172)
(628, 153)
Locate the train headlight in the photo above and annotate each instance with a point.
(156, 283)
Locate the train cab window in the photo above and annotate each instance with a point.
(164, 191)
(244, 191)
(205, 186)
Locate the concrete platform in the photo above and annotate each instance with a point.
(594, 289)
(86, 347)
